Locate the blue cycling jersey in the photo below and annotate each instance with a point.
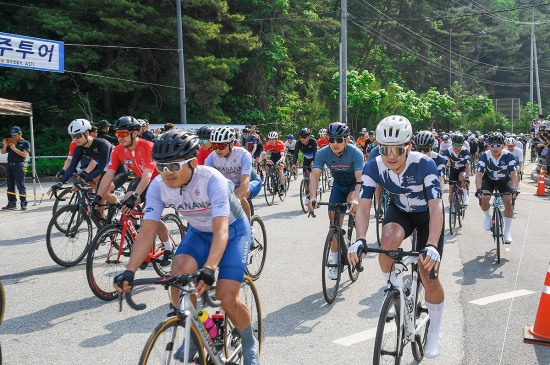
(342, 167)
(497, 169)
(375, 152)
(412, 189)
(440, 162)
(458, 160)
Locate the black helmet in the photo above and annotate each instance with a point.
(103, 123)
(246, 130)
(457, 138)
(127, 122)
(304, 132)
(496, 138)
(337, 129)
(425, 139)
(205, 132)
(175, 145)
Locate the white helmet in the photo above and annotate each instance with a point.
(323, 131)
(509, 141)
(222, 135)
(79, 126)
(394, 130)
(273, 135)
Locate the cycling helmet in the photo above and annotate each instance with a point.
(394, 130)
(472, 136)
(222, 135)
(496, 138)
(304, 132)
(128, 123)
(273, 135)
(79, 126)
(445, 137)
(175, 145)
(425, 139)
(290, 136)
(457, 138)
(338, 129)
(245, 130)
(142, 122)
(205, 132)
(510, 141)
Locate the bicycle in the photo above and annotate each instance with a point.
(271, 183)
(258, 248)
(304, 190)
(184, 324)
(457, 209)
(73, 223)
(497, 220)
(411, 320)
(111, 250)
(380, 207)
(345, 239)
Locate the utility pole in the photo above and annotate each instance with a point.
(344, 62)
(532, 54)
(183, 101)
(537, 75)
(450, 64)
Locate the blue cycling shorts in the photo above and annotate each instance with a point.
(339, 194)
(255, 186)
(233, 263)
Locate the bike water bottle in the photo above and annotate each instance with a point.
(208, 323)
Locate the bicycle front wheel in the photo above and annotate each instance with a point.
(453, 209)
(176, 231)
(331, 266)
(461, 208)
(497, 231)
(388, 333)
(420, 314)
(68, 236)
(350, 234)
(379, 211)
(59, 203)
(258, 248)
(165, 345)
(269, 188)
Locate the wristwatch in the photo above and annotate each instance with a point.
(135, 194)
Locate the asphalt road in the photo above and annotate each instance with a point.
(52, 317)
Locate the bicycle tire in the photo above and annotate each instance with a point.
(420, 312)
(350, 234)
(392, 299)
(379, 216)
(330, 293)
(460, 206)
(103, 262)
(269, 189)
(176, 231)
(496, 232)
(452, 216)
(258, 248)
(251, 205)
(55, 248)
(168, 345)
(303, 191)
(59, 202)
(2, 303)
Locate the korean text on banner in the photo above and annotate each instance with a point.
(31, 53)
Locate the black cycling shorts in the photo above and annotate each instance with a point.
(504, 186)
(307, 163)
(453, 173)
(411, 221)
(133, 185)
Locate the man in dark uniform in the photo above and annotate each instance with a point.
(103, 127)
(17, 149)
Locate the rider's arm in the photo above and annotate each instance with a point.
(314, 182)
(436, 220)
(219, 241)
(241, 190)
(106, 182)
(362, 216)
(77, 155)
(91, 166)
(296, 152)
(479, 176)
(104, 152)
(145, 180)
(514, 178)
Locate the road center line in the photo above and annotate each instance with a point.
(503, 296)
(361, 336)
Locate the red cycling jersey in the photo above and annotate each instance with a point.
(278, 147)
(137, 160)
(202, 155)
(71, 149)
(322, 142)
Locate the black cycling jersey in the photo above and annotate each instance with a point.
(309, 150)
(99, 151)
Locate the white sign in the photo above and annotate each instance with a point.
(31, 53)
(192, 128)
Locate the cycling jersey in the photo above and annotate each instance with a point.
(497, 169)
(458, 160)
(375, 152)
(236, 164)
(309, 150)
(208, 195)
(99, 151)
(290, 145)
(322, 142)
(84, 160)
(369, 147)
(412, 189)
(137, 160)
(518, 155)
(361, 142)
(251, 141)
(342, 167)
(519, 145)
(473, 147)
(202, 155)
(440, 162)
(466, 145)
(445, 145)
(276, 150)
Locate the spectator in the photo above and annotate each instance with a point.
(103, 127)
(168, 126)
(17, 149)
(146, 134)
(94, 131)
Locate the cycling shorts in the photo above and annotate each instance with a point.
(453, 173)
(133, 185)
(307, 163)
(411, 220)
(121, 176)
(233, 263)
(276, 157)
(255, 186)
(504, 186)
(339, 194)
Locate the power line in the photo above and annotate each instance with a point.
(503, 18)
(120, 79)
(127, 47)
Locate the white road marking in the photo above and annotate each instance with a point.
(362, 336)
(503, 296)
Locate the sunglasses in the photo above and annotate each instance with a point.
(495, 145)
(336, 139)
(120, 134)
(204, 141)
(457, 144)
(76, 136)
(219, 146)
(396, 150)
(173, 166)
(304, 137)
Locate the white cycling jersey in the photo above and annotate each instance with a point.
(445, 145)
(237, 163)
(290, 145)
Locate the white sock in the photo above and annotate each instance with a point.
(334, 257)
(507, 225)
(396, 280)
(487, 214)
(167, 246)
(465, 192)
(435, 311)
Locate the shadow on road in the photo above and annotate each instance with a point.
(482, 267)
(23, 240)
(39, 271)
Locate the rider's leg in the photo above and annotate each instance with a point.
(245, 205)
(508, 217)
(461, 177)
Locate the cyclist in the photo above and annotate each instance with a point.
(518, 156)
(496, 169)
(308, 146)
(86, 164)
(277, 149)
(412, 180)
(370, 145)
(290, 145)
(218, 235)
(361, 140)
(235, 163)
(345, 162)
(458, 159)
(445, 143)
(253, 144)
(205, 149)
(425, 142)
(322, 141)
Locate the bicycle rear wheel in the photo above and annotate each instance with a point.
(68, 236)
(388, 334)
(331, 262)
(303, 191)
(103, 262)
(269, 188)
(460, 208)
(258, 248)
(165, 341)
(453, 209)
(420, 314)
(176, 231)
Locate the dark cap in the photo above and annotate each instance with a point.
(94, 128)
(15, 130)
(103, 123)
